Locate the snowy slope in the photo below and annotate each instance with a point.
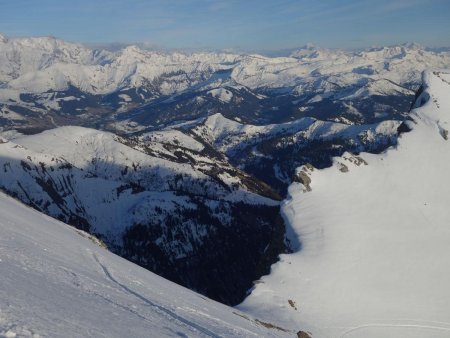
(375, 238)
(156, 203)
(56, 281)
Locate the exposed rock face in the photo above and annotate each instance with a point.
(302, 334)
(303, 176)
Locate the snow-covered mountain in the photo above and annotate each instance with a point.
(372, 237)
(46, 82)
(164, 206)
(56, 281)
(209, 143)
(273, 152)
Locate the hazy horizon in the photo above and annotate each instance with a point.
(237, 25)
(116, 46)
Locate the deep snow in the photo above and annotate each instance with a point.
(375, 238)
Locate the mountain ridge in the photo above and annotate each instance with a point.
(371, 234)
(48, 82)
(163, 208)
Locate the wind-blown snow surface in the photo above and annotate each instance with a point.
(55, 282)
(375, 238)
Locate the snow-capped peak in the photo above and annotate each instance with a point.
(37, 65)
(413, 45)
(133, 52)
(3, 39)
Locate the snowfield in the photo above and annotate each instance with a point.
(56, 281)
(375, 238)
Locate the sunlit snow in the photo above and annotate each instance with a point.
(375, 238)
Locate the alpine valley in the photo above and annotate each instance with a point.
(204, 168)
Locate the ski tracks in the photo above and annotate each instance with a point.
(147, 301)
(436, 326)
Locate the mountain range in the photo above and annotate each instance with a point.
(47, 82)
(207, 168)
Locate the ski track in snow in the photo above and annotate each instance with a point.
(171, 314)
(411, 326)
(56, 282)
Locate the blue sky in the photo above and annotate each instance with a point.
(232, 24)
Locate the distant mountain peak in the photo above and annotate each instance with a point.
(3, 39)
(132, 49)
(413, 45)
(310, 46)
